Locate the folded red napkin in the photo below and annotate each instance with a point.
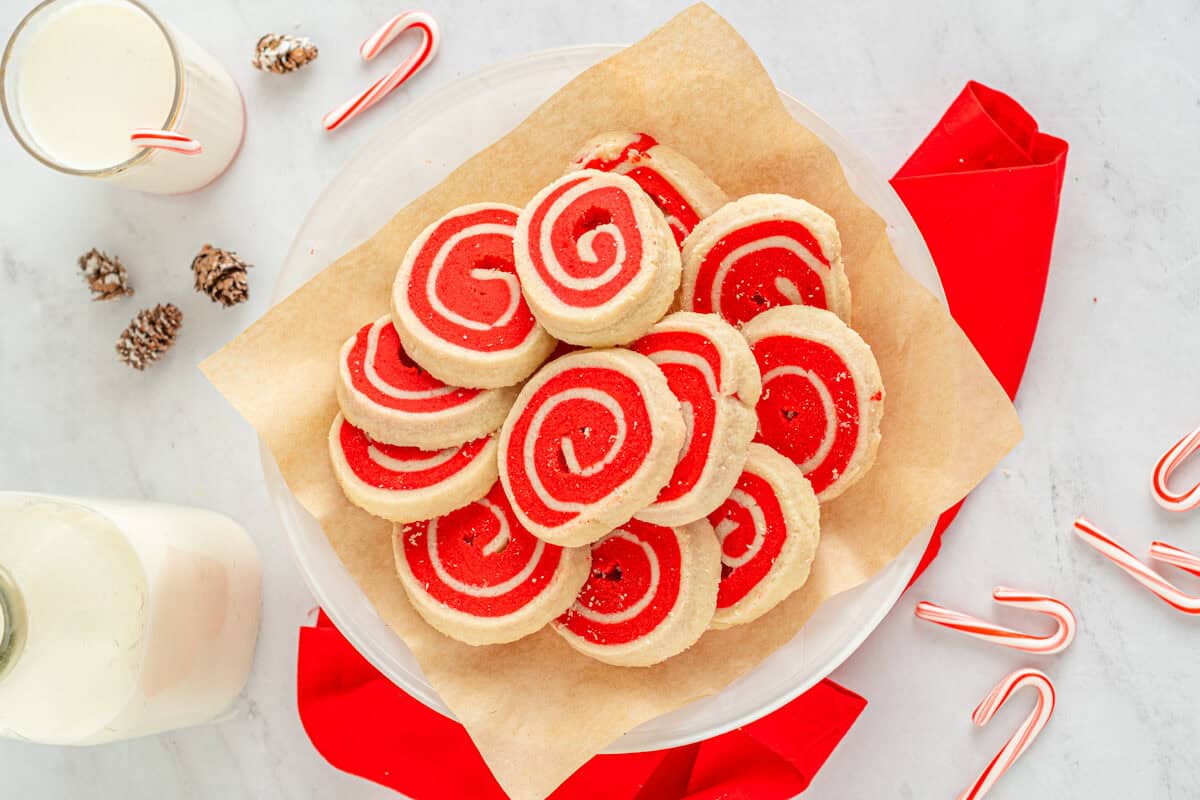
(983, 188)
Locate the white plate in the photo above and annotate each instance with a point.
(415, 150)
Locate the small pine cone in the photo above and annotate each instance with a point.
(149, 335)
(221, 275)
(105, 276)
(279, 53)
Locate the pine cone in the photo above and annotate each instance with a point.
(280, 53)
(221, 275)
(149, 335)
(105, 276)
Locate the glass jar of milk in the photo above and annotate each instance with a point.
(120, 618)
(79, 76)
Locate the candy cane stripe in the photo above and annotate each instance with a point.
(171, 141)
(1169, 462)
(1025, 734)
(1160, 586)
(1169, 554)
(1059, 611)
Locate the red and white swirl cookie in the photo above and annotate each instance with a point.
(712, 373)
(479, 577)
(651, 594)
(768, 529)
(678, 187)
(591, 440)
(760, 252)
(404, 484)
(597, 260)
(383, 392)
(822, 399)
(457, 303)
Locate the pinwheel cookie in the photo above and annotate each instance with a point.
(712, 373)
(763, 251)
(651, 594)
(478, 576)
(822, 400)
(678, 187)
(591, 440)
(404, 484)
(768, 529)
(394, 400)
(457, 303)
(596, 258)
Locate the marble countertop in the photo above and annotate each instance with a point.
(1113, 379)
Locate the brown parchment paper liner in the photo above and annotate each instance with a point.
(536, 709)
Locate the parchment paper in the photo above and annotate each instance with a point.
(535, 709)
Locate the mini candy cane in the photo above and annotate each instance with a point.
(165, 140)
(1025, 734)
(373, 46)
(1162, 588)
(1162, 472)
(1006, 637)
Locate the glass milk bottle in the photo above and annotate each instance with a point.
(120, 619)
(81, 76)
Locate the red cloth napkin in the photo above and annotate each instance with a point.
(983, 188)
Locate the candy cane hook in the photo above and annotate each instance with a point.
(1006, 637)
(1026, 733)
(1160, 551)
(375, 44)
(1162, 472)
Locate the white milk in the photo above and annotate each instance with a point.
(88, 72)
(127, 618)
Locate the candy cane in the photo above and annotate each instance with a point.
(171, 141)
(410, 66)
(1162, 588)
(1026, 733)
(1162, 472)
(1170, 554)
(1006, 637)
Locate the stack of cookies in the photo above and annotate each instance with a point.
(615, 411)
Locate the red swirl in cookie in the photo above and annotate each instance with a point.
(822, 396)
(591, 440)
(692, 365)
(761, 252)
(406, 483)
(463, 285)
(636, 160)
(584, 241)
(399, 468)
(752, 530)
(633, 586)
(479, 559)
(596, 259)
(381, 371)
(768, 528)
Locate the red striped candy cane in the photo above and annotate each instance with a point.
(171, 141)
(1006, 637)
(1170, 554)
(1162, 472)
(1162, 588)
(410, 66)
(1025, 734)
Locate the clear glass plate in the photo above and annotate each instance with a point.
(415, 150)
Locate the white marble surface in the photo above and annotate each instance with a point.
(1113, 378)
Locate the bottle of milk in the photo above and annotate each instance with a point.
(120, 618)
